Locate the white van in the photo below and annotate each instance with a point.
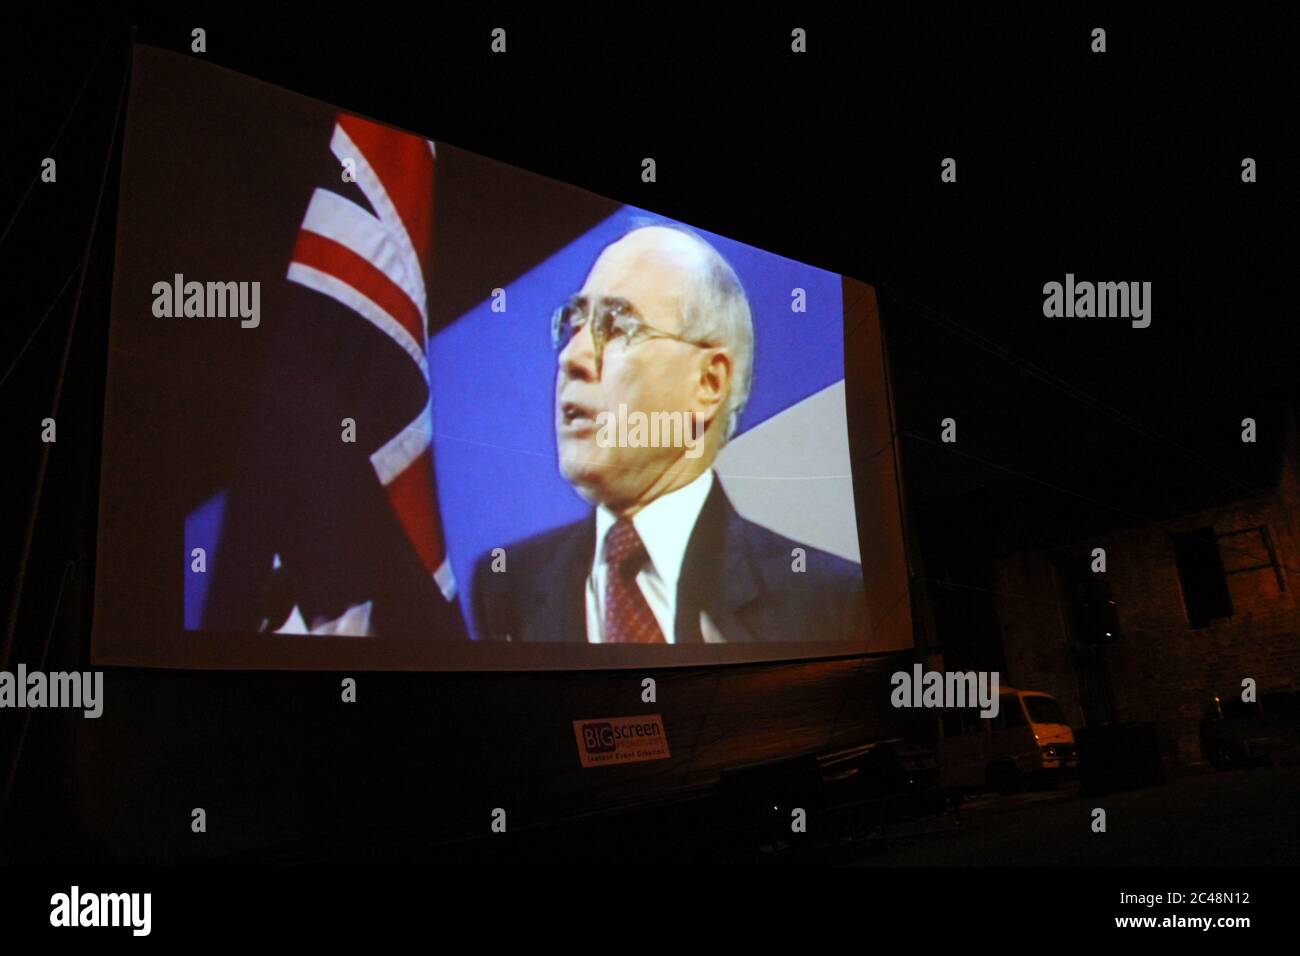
(1028, 740)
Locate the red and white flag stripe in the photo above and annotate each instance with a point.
(377, 265)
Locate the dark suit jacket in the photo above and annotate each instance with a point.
(736, 571)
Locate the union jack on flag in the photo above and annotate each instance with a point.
(377, 265)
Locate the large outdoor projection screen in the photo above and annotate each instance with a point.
(336, 418)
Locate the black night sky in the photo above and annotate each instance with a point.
(1123, 166)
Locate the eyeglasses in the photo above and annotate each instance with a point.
(617, 320)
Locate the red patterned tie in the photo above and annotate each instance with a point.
(628, 618)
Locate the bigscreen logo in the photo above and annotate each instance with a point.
(621, 740)
(598, 738)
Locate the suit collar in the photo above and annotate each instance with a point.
(559, 591)
(665, 526)
(718, 578)
(718, 575)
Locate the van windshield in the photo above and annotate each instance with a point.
(1044, 710)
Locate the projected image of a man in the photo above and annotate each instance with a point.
(654, 360)
(628, 341)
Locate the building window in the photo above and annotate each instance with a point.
(1200, 572)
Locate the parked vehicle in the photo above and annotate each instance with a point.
(1029, 741)
(1237, 733)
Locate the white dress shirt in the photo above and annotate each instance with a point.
(665, 527)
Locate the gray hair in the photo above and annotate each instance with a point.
(716, 310)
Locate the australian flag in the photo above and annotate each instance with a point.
(333, 525)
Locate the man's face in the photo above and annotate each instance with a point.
(649, 268)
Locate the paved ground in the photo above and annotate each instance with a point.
(1198, 818)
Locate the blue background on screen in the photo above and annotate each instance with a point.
(493, 380)
(202, 530)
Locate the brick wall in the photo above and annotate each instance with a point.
(1165, 670)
